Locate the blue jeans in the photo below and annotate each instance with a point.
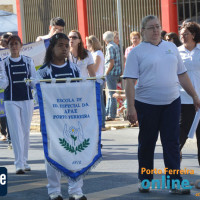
(111, 105)
(152, 120)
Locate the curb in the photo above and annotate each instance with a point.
(119, 123)
(36, 127)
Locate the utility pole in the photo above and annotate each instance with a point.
(120, 31)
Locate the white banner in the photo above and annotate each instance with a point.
(194, 125)
(34, 50)
(71, 125)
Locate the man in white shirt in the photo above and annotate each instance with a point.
(57, 25)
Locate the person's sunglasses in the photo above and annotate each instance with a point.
(73, 37)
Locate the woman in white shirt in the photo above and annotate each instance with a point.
(80, 56)
(156, 100)
(94, 46)
(190, 54)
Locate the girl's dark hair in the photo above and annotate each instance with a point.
(14, 37)
(53, 41)
(175, 38)
(82, 52)
(163, 34)
(194, 28)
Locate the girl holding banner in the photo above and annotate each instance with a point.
(56, 67)
(18, 100)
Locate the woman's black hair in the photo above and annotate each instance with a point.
(175, 38)
(163, 34)
(53, 41)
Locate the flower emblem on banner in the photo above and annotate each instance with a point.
(74, 140)
(73, 133)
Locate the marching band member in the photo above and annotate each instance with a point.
(18, 100)
(55, 65)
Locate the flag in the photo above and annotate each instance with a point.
(71, 125)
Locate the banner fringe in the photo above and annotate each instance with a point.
(79, 177)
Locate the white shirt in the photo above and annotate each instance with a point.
(191, 60)
(82, 64)
(43, 37)
(156, 68)
(100, 71)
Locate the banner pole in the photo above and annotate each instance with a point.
(60, 79)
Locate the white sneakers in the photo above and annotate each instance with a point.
(27, 168)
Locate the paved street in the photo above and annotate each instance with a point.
(115, 178)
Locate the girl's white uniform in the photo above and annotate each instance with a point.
(18, 102)
(53, 176)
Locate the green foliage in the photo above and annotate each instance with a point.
(81, 147)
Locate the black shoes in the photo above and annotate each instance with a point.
(55, 196)
(77, 198)
(141, 189)
(179, 191)
(20, 171)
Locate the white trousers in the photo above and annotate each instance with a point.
(53, 176)
(19, 115)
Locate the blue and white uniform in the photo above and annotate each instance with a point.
(49, 71)
(18, 103)
(67, 70)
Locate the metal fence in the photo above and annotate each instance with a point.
(188, 9)
(102, 16)
(37, 15)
